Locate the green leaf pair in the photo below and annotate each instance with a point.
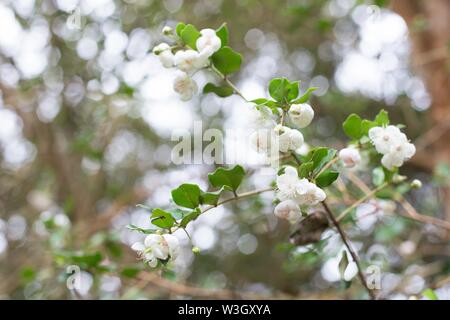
(191, 196)
(356, 128)
(283, 91)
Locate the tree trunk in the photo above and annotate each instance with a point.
(430, 58)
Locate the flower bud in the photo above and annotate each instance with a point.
(350, 157)
(160, 48)
(196, 250)
(301, 114)
(167, 30)
(416, 184)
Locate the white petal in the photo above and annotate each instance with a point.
(138, 246)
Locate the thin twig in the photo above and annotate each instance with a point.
(238, 197)
(361, 200)
(349, 248)
(228, 82)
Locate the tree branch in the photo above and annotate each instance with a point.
(347, 245)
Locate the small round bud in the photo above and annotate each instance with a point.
(196, 250)
(167, 31)
(160, 48)
(416, 184)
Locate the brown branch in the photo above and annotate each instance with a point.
(348, 246)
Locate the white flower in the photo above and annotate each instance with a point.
(208, 42)
(287, 184)
(145, 253)
(161, 48)
(184, 86)
(288, 210)
(174, 245)
(351, 271)
(398, 153)
(167, 58)
(189, 60)
(384, 138)
(301, 114)
(303, 192)
(156, 247)
(393, 144)
(288, 139)
(350, 157)
(296, 140)
(308, 193)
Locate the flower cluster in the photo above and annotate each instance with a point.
(188, 61)
(392, 144)
(292, 192)
(283, 138)
(157, 247)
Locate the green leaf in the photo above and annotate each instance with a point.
(366, 125)
(260, 101)
(378, 176)
(293, 90)
(222, 33)
(179, 28)
(272, 105)
(326, 178)
(210, 198)
(352, 126)
(305, 97)
(221, 91)
(305, 169)
(189, 35)
(430, 294)
(136, 228)
(320, 156)
(87, 259)
(187, 195)
(343, 264)
(382, 118)
(229, 178)
(162, 219)
(190, 217)
(226, 60)
(279, 88)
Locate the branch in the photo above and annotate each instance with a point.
(347, 245)
(238, 197)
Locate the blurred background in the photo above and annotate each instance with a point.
(87, 113)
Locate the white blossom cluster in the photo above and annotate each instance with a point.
(188, 61)
(392, 144)
(294, 192)
(156, 247)
(281, 137)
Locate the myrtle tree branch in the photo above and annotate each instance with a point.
(349, 248)
(238, 197)
(228, 82)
